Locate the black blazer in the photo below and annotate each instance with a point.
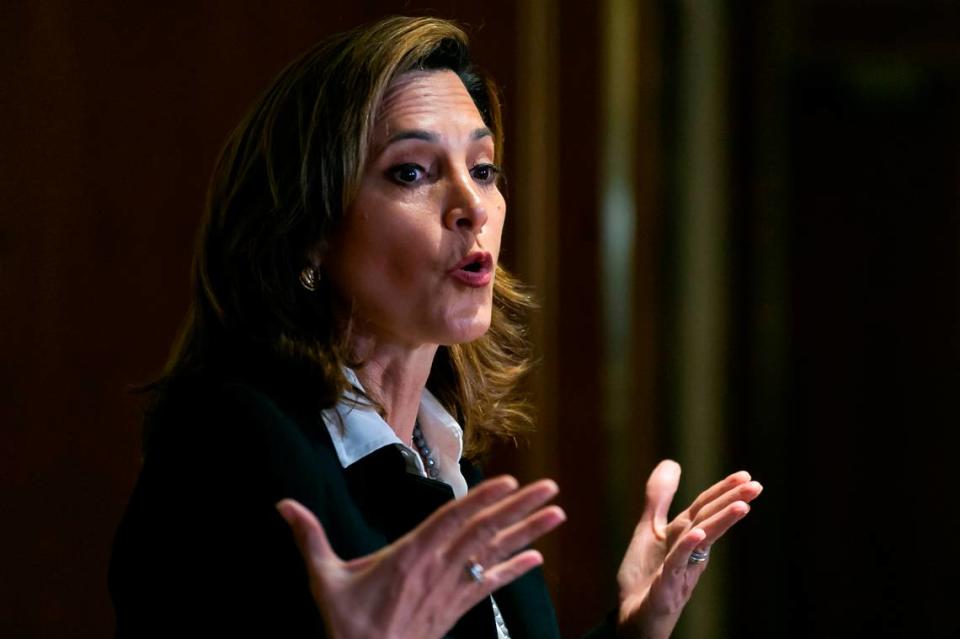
(201, 548)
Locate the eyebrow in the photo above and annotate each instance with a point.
(430, 136)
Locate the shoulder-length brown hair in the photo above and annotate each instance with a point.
(278, 195)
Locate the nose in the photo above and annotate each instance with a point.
(466, 209)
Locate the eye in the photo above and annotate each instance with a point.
(485, 173)
(407, 173)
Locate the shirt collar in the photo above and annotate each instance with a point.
(357, 430)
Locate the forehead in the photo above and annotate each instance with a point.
(426, 99)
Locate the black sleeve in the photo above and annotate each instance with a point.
(607, 629)
(201, 548)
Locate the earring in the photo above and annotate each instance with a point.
(309, 278)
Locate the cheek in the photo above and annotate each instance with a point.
(393, 249)
(402, 264)
(494, 226)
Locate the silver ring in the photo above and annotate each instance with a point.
(475, 570)
(699, 556)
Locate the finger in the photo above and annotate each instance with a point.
(717, 490)
(677, 564)
(716, 526)
(744, 492)
(661, 488)
(524, 533)
(507, 571)
(307, 531)
(477, 534)
(453, 516)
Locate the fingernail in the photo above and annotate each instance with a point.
(552, 485)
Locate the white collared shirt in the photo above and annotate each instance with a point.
(360, 430)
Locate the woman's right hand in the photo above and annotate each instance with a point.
(419, 586)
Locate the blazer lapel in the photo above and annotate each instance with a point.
(393, 500)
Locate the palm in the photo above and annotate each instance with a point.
(656, 578)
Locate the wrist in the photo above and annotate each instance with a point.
(642, 623)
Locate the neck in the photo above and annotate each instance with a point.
(395, 376)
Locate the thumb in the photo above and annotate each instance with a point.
(307, 531)
(661, 487)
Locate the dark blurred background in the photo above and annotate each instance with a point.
(742, 220)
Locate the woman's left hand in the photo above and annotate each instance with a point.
(657, 576)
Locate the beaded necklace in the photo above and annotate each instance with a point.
(433, 469)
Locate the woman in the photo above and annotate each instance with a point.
(350, 314)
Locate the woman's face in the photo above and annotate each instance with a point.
(417, 251)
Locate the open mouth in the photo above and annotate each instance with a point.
(476, 262)
(475, 269)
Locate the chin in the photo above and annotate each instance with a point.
(466, 330)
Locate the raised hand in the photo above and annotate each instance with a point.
(420, 585)
(657, 575)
